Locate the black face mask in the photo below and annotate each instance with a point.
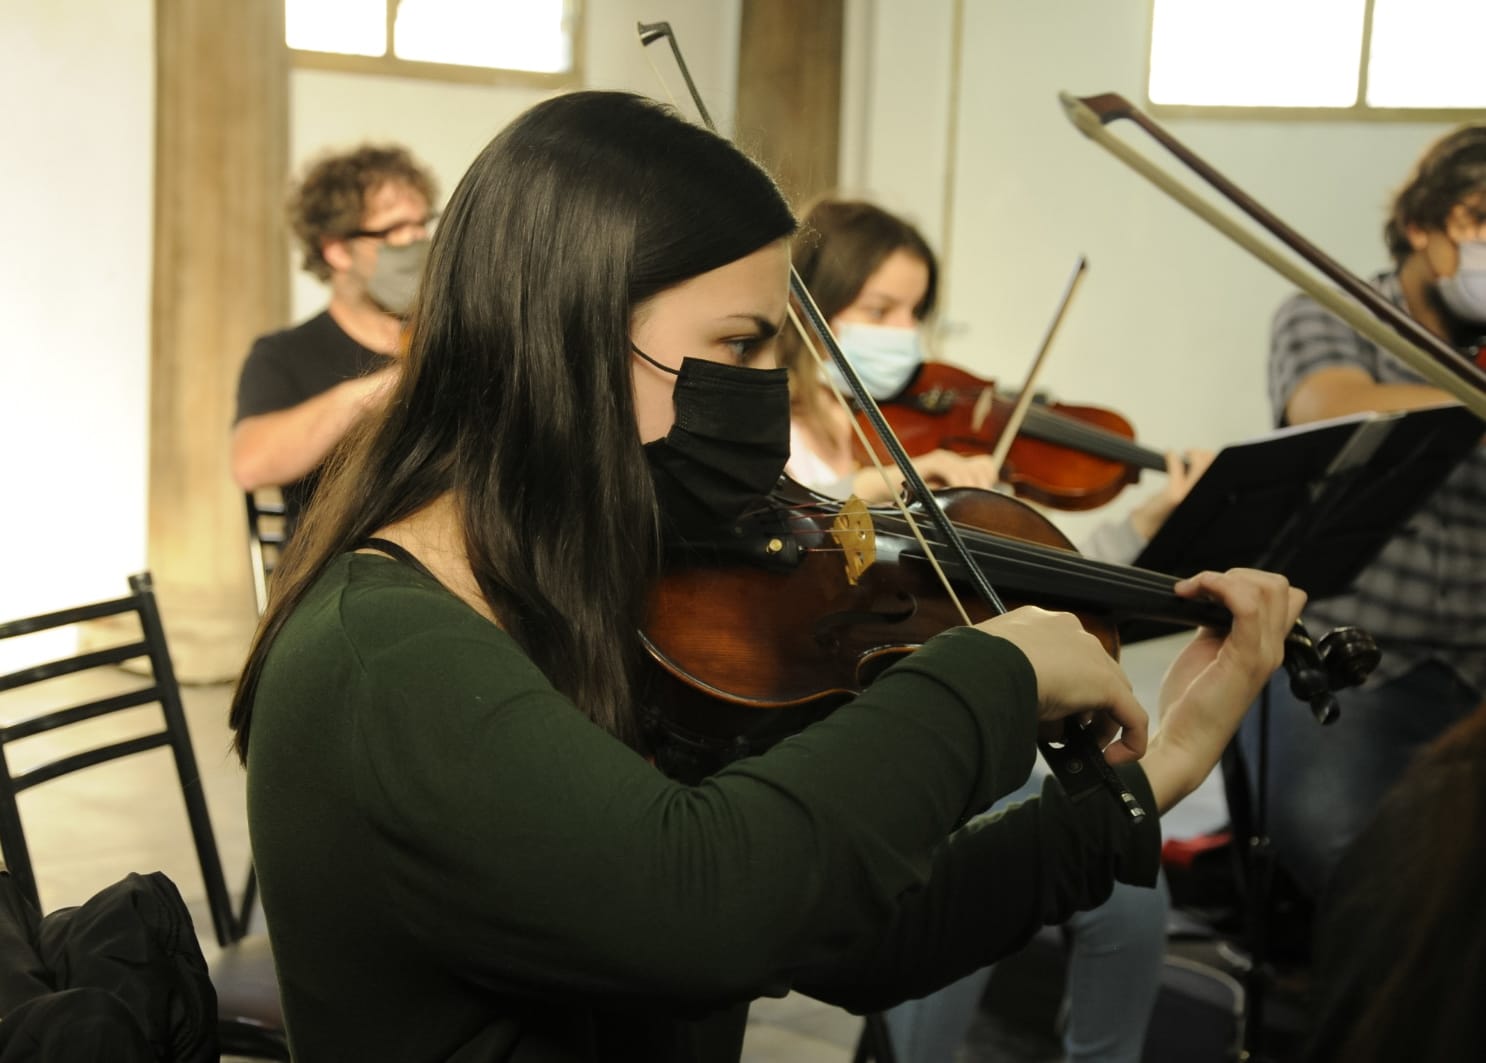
(727, 448)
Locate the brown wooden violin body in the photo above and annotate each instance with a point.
(804, 606)
(790, 634)
(1065, 456)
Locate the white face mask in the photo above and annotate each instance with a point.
(885, 358)
(1465, 292)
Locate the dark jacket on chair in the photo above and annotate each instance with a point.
(120, 978)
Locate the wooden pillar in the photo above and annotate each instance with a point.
(220, 279)
(789, 91)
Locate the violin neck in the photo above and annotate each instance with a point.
(1064, 579)
(1051, 427)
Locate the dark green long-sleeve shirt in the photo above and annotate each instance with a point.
(457, 865)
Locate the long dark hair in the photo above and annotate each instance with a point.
(516, 393)
(1401, 947)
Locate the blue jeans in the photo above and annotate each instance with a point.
(1325, 782)
(1114, 971)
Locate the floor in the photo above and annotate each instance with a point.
(89, 829)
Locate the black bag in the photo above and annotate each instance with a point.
(123, 971)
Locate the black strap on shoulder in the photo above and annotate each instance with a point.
(400, 553)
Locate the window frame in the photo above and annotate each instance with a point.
(389, 65)
(1359, 110)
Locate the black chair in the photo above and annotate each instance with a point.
(1255, 919)
(267, 532)
(875, 1043)
(251, 1023)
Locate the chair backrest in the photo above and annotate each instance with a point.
(162, 689)
(267, 532)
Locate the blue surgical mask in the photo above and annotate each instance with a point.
(885, 358)
(1465, 292)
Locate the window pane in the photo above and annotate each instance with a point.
(1260, 53)
(1427, 53)
(510, 34)
(351, 27)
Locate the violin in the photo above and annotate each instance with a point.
(809, 600)
(1064, 456)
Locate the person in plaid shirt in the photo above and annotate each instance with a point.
(1424, 597)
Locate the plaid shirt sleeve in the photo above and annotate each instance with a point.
(1306, 337)
(1424, 595)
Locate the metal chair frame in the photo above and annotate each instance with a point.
(263, 546)
(240, 1036)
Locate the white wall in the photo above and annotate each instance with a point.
(446, 125)
(1171, 325)
(77, 78)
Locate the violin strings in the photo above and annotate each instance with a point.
(1013, 550)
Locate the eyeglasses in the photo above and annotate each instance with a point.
(403, 232)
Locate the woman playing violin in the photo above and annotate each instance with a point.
(463, 850)
(876, 280)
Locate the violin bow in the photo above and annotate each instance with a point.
(1382, 322)
(1024, 400)
(1075, 759)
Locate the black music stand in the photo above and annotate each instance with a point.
(1315, 503)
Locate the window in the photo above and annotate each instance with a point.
(525, 41)
(1326, 57)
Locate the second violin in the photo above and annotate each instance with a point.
(876, 281)
(1065, 456)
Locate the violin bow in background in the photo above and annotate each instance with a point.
(1381, 321)
(1075, 760)
(1024, 400)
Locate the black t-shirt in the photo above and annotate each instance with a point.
(289, 367)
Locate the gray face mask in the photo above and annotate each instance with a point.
(394, 282)
(1465, 292)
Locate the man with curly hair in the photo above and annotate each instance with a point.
(362, 221)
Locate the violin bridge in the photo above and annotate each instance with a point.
(852, 530)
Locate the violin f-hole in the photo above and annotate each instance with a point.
(898, 608)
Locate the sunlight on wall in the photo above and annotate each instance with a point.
(1414, 64)
(1263, 53)
(349, 27)
(514, 34)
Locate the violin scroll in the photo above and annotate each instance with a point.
(1350, 654)
(1342, 658)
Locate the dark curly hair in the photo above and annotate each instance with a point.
(1452, 171)
(330, 200)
